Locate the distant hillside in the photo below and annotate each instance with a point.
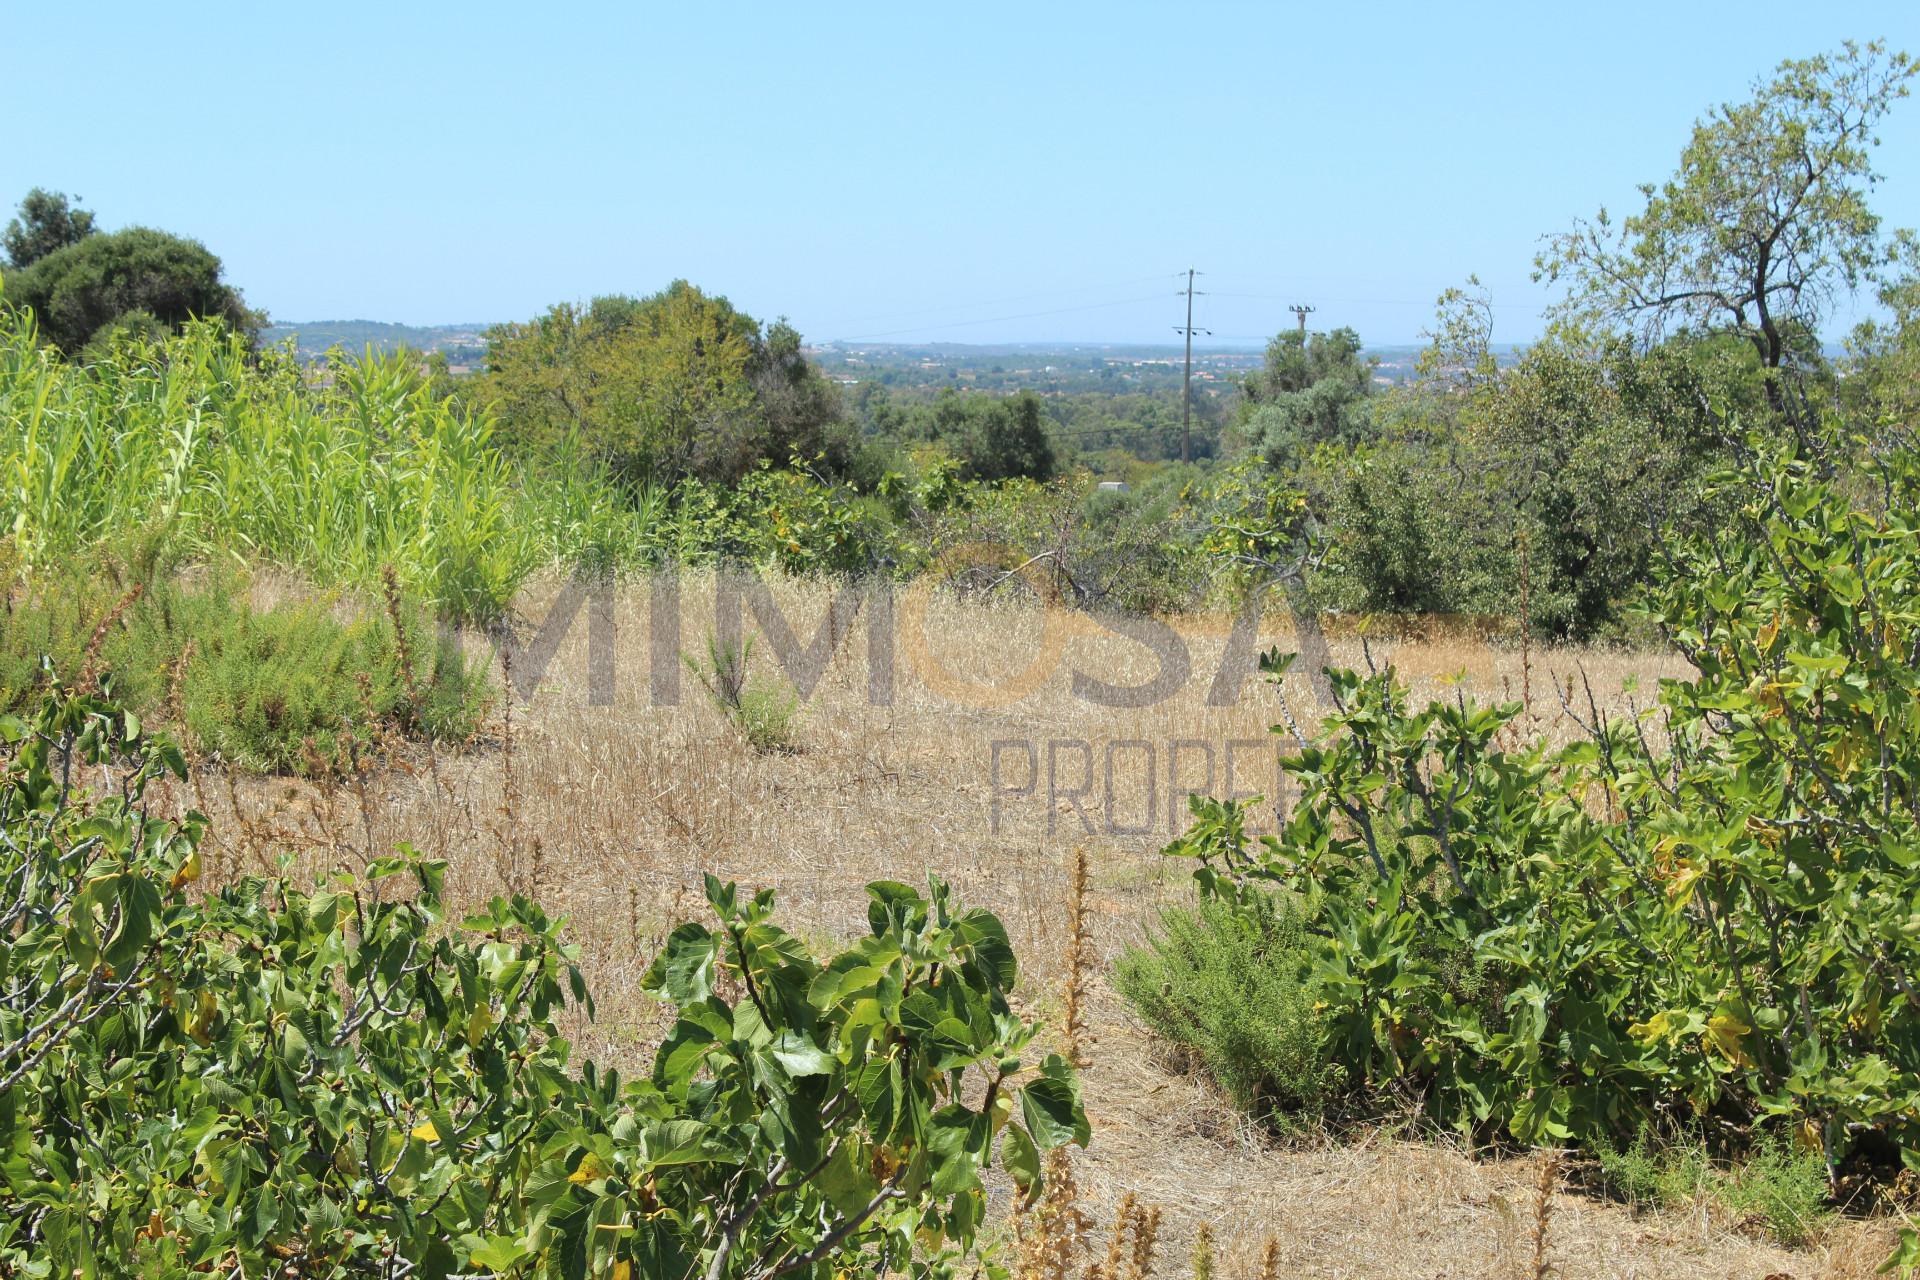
(463, 344)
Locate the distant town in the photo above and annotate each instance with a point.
(1006, 367)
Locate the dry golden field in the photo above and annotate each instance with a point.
(609, 813)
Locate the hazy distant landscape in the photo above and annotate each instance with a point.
(1012, 366)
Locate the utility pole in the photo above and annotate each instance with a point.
(1186, 381)
(1301, 313)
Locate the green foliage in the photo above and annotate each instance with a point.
(778, 518)
(1765, 221)
(1067, 541)
(1312, 391)
(218, 453)
(345, 1082)
(77, 291)
(1112, 428)
(221, 454)
(1401, 550)
(47, 222)
(1598, 457)
(1003, 440)
(288, 689)
(1707, 910)
(1558, 479)
(672, 385)
(1883, 382)
(1235, 988)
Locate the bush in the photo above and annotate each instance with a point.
(1704, 912)
(1235, 989)
(289, 689)
(761, 711)
(343, 1082)
(1777, 1190)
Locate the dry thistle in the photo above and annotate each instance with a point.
(1544, 1186)
(507, 812)
(175, 710)
(1116, 1243)
(1146, 1232)
(1526, 628)
(1203, 1252)
(1073, 1028)
(1053, 1230)
(90, 659)
(402, 643)
(1270, 1260)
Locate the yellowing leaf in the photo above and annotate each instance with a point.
(622, 1270)
(189, 872)
(1683, 880)
(479, 1022)
(1723, 1036)
(590, 1168)
(426, 1132)
(1849, 753)
(1657, 1028)
(200, 1021)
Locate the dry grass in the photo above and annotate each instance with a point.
(612, 812)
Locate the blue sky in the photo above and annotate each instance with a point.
(964, 172)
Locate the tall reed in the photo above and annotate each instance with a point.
(209, 450)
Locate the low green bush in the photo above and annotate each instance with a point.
(292, 688)
(266, 1080)
(763, 711)
(1235, 989)
(1775, 1189)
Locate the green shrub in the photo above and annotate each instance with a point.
(1235, 989)
(291, 688)
(1707, 911)
(1782, 1190)
(761, 710)
(342, 1082)
(1772, 1188)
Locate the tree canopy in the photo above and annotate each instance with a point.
(1002, 439)
(139, 276)
(1765, 221)
(1311, 391)
(674, 384)
(47, 222)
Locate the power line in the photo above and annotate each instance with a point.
(1186, 379)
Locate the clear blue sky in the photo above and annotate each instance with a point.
(909, 170)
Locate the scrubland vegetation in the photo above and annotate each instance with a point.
(1585, 855)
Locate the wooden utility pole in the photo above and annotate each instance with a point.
(1301, 313)
(1186, 380)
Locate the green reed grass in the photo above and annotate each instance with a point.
(221, 454)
